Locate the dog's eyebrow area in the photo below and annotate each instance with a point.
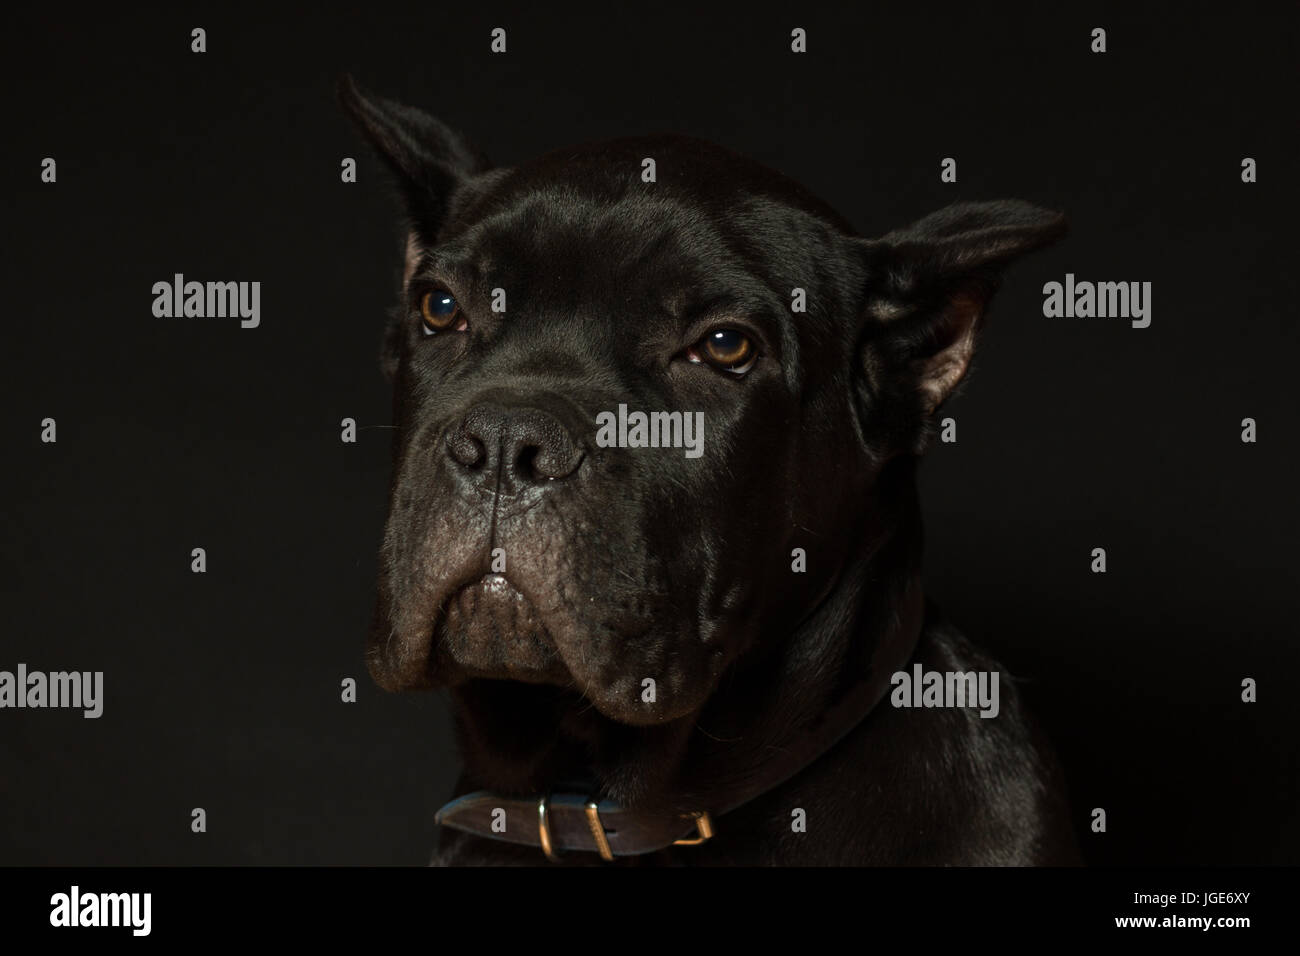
(746, 311)
(443, 265)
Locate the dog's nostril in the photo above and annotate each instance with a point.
(526, 462)
(465, 449)
(549, 463)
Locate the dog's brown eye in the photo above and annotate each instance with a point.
(726, 349)
(441, 312)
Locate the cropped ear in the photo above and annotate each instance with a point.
(427, 158)
(929, 290)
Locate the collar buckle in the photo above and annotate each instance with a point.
(598, 831)
(703, 830)
(544, 829)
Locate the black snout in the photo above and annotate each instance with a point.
(495, 445)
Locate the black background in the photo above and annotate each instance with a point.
(222, 689)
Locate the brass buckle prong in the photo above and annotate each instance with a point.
(598, 831)
(544, 829)
(703, 826)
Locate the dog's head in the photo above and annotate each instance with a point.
(668, 275)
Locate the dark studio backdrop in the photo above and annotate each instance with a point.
(222, 689)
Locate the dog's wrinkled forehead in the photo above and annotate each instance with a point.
(662, 221)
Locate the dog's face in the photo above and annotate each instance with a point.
(539, 299)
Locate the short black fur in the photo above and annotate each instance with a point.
(625, 564)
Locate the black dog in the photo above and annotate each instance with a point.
(684, 655)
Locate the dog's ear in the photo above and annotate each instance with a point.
(929, 290)
(428, 159)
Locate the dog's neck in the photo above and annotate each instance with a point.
(840, 663)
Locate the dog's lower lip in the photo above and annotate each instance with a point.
(489, 628)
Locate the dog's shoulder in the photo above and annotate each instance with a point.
(981, 790)
(989, 784)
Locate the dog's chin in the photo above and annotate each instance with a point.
(490, 629)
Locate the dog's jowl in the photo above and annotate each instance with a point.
(639, 672)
